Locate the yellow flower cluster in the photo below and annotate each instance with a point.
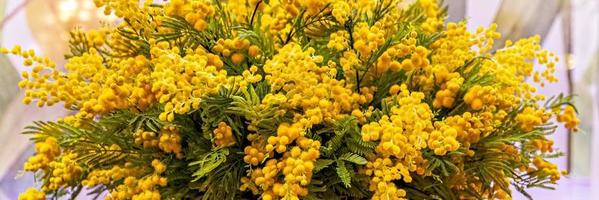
(450, 85)
(384, 172)
(530, 117)
(542, 145)
(88, 85)
(194, 11)
(248, 77)
(254, 154)
(170, 140)
(432, 13)
(297, 166)
(350, 61)
(486, 38)
(299, 153)
(286, 134)
(46, 150)
(311, 87)
(568, 117)
(367, 39)
(515, 56)
(277, 16)
(544, 168)
(190, 77)
(137, 15)
(341, 11)
(263, 178)
(453, 50)
(64, 171)
(236, 49)
(147, 139)
(415, 57)
(478, 96)
(223, 135)
(144, 188)
(471, 127)
(362, 117)
(549, 60)
(32, 194)
(443, 139)
(114, 174)
(400, 138)
(339, 40)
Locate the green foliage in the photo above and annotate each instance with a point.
(353, 158)
(321, 164)
(343, 173)
(208, 162)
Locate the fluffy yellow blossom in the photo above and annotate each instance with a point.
(139, 188)
(236, 49)
(286, 134)
(170, 140)
(544, 168)
(223, 135)
(195, 13)
(147, 139)
(384, 172)
(432, 13)
(542, 145)
(341, 11)
(297, 167)
(339, 41)
(32, 194)
(182, 92)
(471, 127)
(477, 96)
(254, 154)
(113, 174)
(367, 39)
(263, 178)
(350, 61)
(309, 86)
(64, 171)
(46, 151)
(450, 85)
(400, 138)
(443, 139)
(396, 57)
(568, 117)
(530, 117)
(136, 13)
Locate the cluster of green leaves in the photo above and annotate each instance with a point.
(342, 152)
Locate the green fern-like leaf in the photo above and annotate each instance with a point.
(321, 164)
(343, 173)
(353, 158)
(209, 162)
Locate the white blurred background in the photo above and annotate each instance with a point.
(570, 28)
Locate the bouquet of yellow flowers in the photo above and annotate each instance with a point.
(292, 99)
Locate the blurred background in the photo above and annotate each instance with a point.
(570, 28)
